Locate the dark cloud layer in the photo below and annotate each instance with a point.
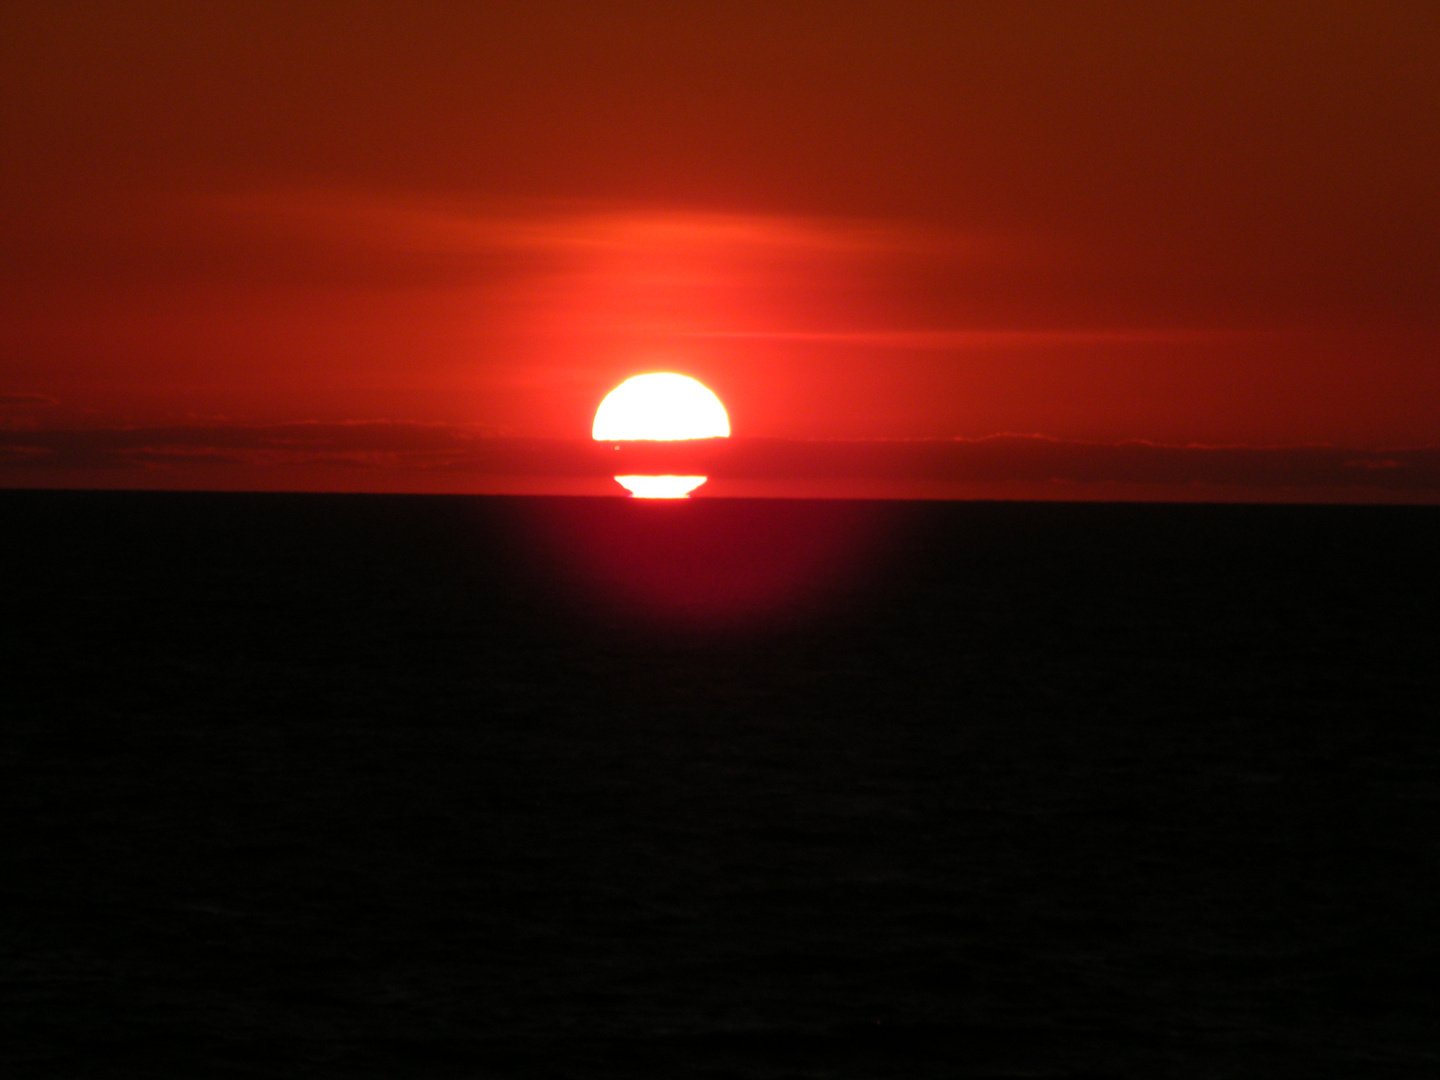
(211, 455)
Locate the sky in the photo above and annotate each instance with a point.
(372, 236)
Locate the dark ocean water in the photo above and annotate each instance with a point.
(344, 786)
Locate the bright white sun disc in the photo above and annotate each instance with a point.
(660, 487)
(660, 406)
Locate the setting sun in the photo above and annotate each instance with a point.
(660, 406)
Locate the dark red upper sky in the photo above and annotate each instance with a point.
(1211, 223)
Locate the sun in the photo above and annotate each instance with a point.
(660, 406)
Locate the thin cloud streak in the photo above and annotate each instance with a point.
(944, 340)
(552, 225)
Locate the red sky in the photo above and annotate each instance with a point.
(1097, 223)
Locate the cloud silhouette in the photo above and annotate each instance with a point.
(27, 401)
(266, 454)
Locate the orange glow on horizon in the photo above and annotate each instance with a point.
(660, 487)
(1141, 235)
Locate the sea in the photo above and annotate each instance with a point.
(301, 785)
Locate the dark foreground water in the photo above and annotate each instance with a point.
(337, 786)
